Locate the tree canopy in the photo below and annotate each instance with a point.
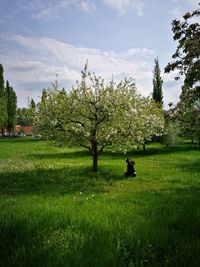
(187, 55)
(187, 62)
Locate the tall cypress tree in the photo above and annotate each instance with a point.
(32, 105)
(157, 84)
(11, 108)
(3, 102)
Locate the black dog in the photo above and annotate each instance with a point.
(130, 168)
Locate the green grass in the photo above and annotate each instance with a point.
(55, 212)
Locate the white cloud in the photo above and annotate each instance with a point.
(44, 60)
(178, 10)
(46, 9)
(193, 2)
(140, 51)
(123, 5)
(86, 6)
(107, 63)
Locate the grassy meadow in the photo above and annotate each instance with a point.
(55, 212)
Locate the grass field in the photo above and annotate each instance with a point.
(55, 212)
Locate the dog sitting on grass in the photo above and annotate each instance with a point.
(130, 168)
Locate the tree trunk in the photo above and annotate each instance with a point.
(95, 163)
(95, 157)
(144, 147)
(3, 132)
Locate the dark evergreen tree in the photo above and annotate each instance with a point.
(32, 104)
(3, 102)
(11, 108)
(44, 96)
(157, 84)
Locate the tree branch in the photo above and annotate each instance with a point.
(88, 147)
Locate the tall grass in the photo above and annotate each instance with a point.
(55, 212)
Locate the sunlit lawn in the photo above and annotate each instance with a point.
(55, 212)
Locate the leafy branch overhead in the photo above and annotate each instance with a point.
(187, 55)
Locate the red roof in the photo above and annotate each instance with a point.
(24, 129)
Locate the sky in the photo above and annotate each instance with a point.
(46, 40)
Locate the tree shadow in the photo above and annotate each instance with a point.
(70, 179)
(160, 227)
(110, 155)
(190, 166)
(60, 155)
(20, 139)
(150, 151)
(170, 233)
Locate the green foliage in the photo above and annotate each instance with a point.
(55, 213)
(25, 116)
(32, 104)
(157, 84)
(1, 79)
(3, 102)
(189, 110)
(187, 113)
(8, 105)
(11, 108)
(187, 62)
(172, 132)
(187, 55)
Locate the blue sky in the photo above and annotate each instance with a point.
(42, 40)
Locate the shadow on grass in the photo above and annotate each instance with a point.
(150, 150)
(158, 228)
(20, 139)
(109, 155)
(170, 234)
(58, 180)
(192, 166)
(164, 150)
(163, 231)
(61, 155)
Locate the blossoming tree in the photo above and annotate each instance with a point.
(94, 115)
